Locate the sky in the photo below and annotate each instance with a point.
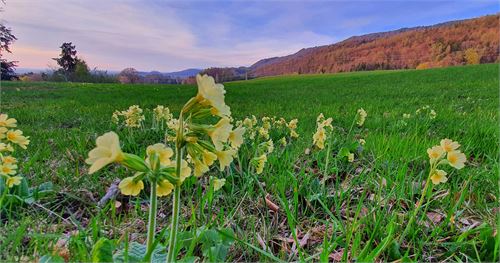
(175, 35)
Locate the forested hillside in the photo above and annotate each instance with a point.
(471, 41)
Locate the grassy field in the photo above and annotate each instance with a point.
(352, 211)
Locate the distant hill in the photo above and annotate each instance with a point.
(183, 74)
(445, 44)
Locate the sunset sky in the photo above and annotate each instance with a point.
(171, 36)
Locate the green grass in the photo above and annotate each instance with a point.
(356, 215)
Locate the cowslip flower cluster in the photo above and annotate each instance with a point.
(350, 157)
(262, 134)
(446, 152)
(292, 125)
(132, 117)
(203, 142)
(267, 128)
(162, 113)
(323, 128)
(263, 150)
(218, 183)
(361, 117)
(9, 138)
(426, 110)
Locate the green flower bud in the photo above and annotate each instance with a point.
(134, 162)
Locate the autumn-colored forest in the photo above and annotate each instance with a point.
(470, 41)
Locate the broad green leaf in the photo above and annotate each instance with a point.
(103, 251)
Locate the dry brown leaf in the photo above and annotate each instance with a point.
(468, 223)
(271, 205)
(435, 217)
(304, 240)
(61, 249)
(261, 242)
(337, 255)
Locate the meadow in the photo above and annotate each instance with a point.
(308, 204)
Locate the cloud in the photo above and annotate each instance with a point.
(173, 35)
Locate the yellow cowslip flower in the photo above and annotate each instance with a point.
(247, 123)
(319, 137)
(107, 151)
(220, 132)
(361, 117)
(456, 159)
(264, 133)
(164, 188)
(212, 94)
(208, 158)
(327, 123)
(225, 157)
(254, 120)
(164, 153)
(13, 180)
(281, 122)
(449, 145)
(350, 157)
(439, 176)
(432, 114)
(132, 123)
(6, 147)
(16, 136)
(320, 118)
(115, 117)
(129, 186)
(269, 146)
(261, 162)
(435, 153)
(362, 141)
(266, 125)
(185, 170)
(321, 121)
(283, 141)
(199, 168)
(3, 132)
(5, 121)
(292, 125)
(252, 134)
(8, 169)
(294, 134)
(9, 160)
(236, 137)
(218, 183)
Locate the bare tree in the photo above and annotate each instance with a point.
(129, 75)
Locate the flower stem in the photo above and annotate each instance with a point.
(325, 173)
(419, 205)
(175, 222)
(152, 222)
(177, 193)
(4, 193)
